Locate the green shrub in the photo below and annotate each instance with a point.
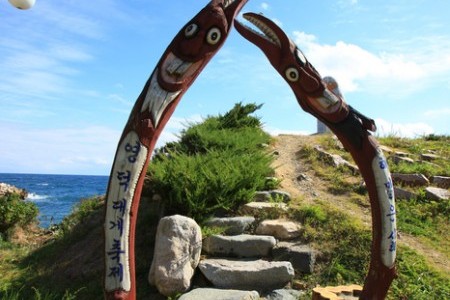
(216, 166)
(199, 185)
(15, 211)
(80, 212)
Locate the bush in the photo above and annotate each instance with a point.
(217, 165)
(15, 211)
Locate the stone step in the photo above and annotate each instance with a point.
(219, 294)
(247, 274)
(232, 225)
(258, 208)
(435, 193)
(302, 257)
(279, 228)
(272, 195)
(244, 245)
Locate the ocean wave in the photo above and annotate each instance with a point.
(42, 184)
(36, 197)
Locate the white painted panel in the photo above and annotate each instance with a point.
(386, 200)
(128, 165)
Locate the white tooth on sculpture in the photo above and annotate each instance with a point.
(183, 68)
(228, 3)
(174, 64)
(269, 34)
(157, 99)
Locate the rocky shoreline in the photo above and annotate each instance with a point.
(7, 189)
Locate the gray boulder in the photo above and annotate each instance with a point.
(177, 253)
(243, 245)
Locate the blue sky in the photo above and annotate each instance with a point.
(71, 70)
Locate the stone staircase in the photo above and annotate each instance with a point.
(251, 259)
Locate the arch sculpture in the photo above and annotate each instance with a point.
(185, 57)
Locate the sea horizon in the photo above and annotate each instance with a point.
(55, 195)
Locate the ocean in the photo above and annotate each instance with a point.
(56, 195)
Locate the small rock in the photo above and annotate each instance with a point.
(302, 257)
(219, 294)
(435, 193)
(280, 229)
(257, 208)
(177, 253)
(284, 294)
(335, 160)
(232, 225)
(404, 194)
(401, 154)
(441, 181)
(410, 179)
(247, 274)
(429, 156)
(303, 177)
(386, 149)
(273, 195)
(243, 245)
(398, 159)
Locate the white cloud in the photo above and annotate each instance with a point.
(407, 130)
(277, 131)
(438, 113)
(265, 6)
(402, 71)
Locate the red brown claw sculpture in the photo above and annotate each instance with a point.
(321, 98)
(185, 57)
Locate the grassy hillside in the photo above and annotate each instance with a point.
(332, 204)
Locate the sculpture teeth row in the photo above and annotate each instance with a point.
(269, 34)
(228, 3)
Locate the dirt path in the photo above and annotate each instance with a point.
(288, 167)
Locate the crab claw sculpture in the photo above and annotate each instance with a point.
(181, 63)
(321, 98)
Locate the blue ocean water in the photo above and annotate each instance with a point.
(55, 195)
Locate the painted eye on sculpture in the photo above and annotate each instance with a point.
(190, 30)
(292, 74)
(213, 36)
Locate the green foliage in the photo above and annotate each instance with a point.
(15, 211)
(416, 280)
(36, 294)
(199, 185)
(344, 244)
(79, 213)
(426, 219)
(217, 165)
